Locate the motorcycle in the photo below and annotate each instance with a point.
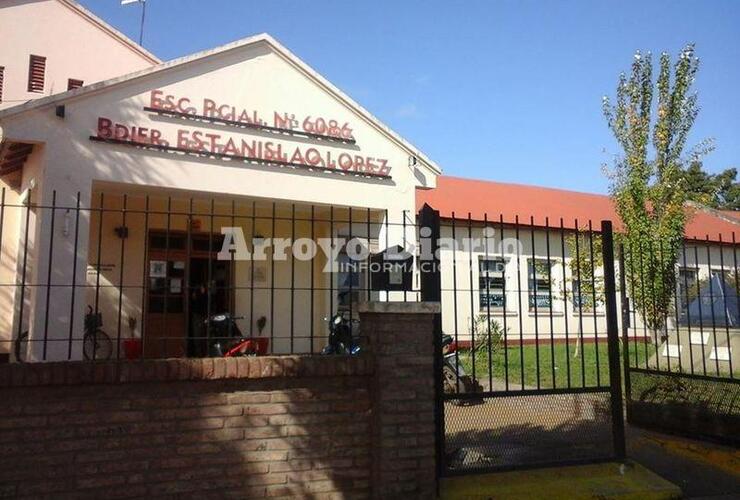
(225, 338)
(341, 340)
(454, 378)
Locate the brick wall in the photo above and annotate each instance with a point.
(252, 427)
(400, 337)
(312, 427)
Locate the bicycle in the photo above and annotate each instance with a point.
(96, 344)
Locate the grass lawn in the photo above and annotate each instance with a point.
(580, 370)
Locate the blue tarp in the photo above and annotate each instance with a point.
(716, 304)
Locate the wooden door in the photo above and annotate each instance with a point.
(166, 301)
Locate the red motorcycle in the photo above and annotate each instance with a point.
(225, 338)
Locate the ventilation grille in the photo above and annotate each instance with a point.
(36, 73)
(2, 81)
(74, 84)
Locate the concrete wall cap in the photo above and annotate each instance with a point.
(399, 307)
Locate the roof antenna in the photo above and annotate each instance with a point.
(143, 15)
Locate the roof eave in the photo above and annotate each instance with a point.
(262, 37)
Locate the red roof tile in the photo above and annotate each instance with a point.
(454, 195)
(735, 214)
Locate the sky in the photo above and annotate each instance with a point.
(502, 90)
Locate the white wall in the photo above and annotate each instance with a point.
(461, 285)
(253, 77)
(75, 46)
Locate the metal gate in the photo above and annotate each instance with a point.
(680, 373)
(528, 374)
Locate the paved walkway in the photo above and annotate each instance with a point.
(607, 481)
(702, 470)
(660, 466)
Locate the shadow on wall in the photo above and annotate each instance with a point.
(305, 437)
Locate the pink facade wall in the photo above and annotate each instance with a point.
(75, 43)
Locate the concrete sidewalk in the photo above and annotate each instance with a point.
(701, 469)
(660, 467)
(606, 481)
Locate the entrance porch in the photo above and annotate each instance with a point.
(159, 262)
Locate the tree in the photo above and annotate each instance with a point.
(650, 192)
(728, 190)
(587, 290)
(700, 185)
(720, 191)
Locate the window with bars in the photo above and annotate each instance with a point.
(491, 286)
(2, 81)
(540, 292)
(74, 84)
(36, 73)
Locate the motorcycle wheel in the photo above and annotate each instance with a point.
(449, 380)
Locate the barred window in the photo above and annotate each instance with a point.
(491, 283)
(540, 291)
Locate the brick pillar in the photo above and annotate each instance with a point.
(399, 334)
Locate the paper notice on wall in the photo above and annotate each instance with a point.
(175, 285)
(104, 268)
(158, 269)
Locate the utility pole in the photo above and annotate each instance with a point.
(143, 16)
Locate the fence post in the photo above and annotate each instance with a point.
(431, 291)
(625, 330)
(612, 330)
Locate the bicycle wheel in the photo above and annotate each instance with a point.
(21, 347)
(97, 346)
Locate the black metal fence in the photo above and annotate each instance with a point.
(527, 336)
(681, 324)
(529, 365)
(126, 275)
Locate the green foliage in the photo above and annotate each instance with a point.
(487, 334)
(650, 193)
(720, 191)
(526, 362)
(585, 258)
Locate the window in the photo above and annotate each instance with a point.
(2, 81)
(538, 271)
(491, 285)
(583, 297)
(36, 73)
(74, 84)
